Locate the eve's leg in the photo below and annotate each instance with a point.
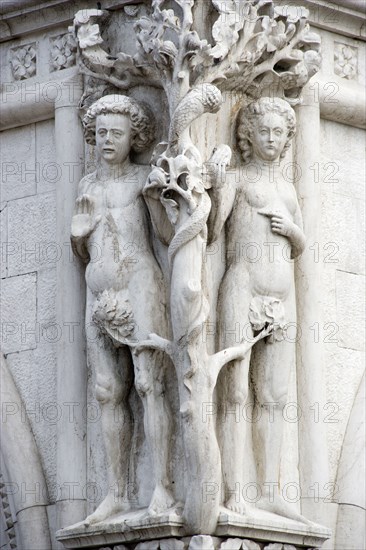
(235, 328)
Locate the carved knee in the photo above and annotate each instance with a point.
(237, 397)
(108, 390)
(143, 383)
(272, 398)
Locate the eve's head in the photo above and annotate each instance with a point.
(265, 129)
(116, 124)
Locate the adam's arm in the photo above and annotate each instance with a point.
(83, 222)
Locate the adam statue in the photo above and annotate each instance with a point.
(125, 295)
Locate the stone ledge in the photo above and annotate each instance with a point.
(133, 529)
(267, 527)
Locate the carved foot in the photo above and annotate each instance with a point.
(111, 505)
(162, 500)
(277, 505)
(236, 506)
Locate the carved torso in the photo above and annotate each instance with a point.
(119, 246)
(261, 256)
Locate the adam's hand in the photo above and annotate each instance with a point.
(84, 221)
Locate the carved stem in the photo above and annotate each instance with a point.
(218, 360)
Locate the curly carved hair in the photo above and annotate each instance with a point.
(142, 120)
(248, 116)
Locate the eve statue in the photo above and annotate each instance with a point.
(125, 296)
(263, 234)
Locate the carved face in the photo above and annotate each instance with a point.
(269, 136)
(113, 137)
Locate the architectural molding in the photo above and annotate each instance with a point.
(345, 17)
(29, 16)
(26, 102)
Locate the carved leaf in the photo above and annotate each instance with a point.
(170, 20)
(113, 314)
(265, 310)
(225, 30)
(83, 16)
(252, 40)
(166, 54)
(89, 35)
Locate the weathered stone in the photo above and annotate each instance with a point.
(19, 175)
(34, 372)
(50, 174)
(171, 544)
(232, 544)
(18, 313)
(148, 545)
(4, 240)
(251, 545)
(342, 236)
(31, 224)
(46, 297)
(201, 542)
(350, 310)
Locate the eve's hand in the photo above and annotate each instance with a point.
(216, 166)
(283, 225)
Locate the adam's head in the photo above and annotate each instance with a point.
(116, 124)
(265, 129)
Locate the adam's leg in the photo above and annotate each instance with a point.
(113, 372)
(149, 372)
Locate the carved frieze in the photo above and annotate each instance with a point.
(345, 61)
(8, 516)
(151, 313)
(204, 542)
(63, 52)
(23, 61)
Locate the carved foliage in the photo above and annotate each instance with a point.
(63, 52)
(345, 61)
(264, 311)
(252, 40)
(113, 314)
(23, 61)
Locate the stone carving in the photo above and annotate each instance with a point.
(268, 202)
(8, 516)
(204, 542)
(256, 44)
(151, 315)
(24, 61)
(345, 61)
(63, 52)
(125, 293)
